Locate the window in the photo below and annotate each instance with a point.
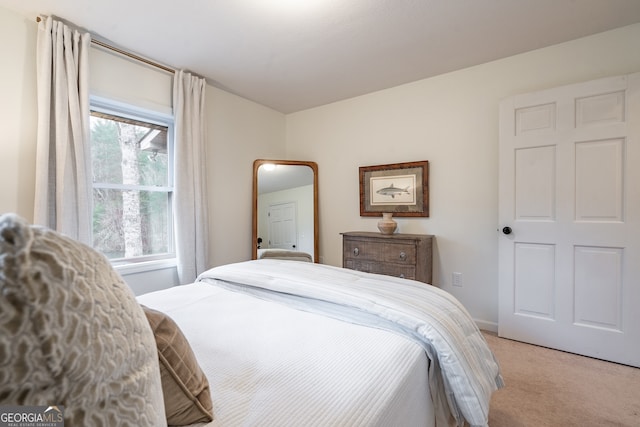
(132, 165)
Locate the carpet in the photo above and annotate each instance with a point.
(546, 387)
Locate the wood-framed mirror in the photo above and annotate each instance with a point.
(285, 207)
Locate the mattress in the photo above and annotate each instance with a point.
(269, 364)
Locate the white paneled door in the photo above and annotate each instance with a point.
(283, 226)
(569, 215)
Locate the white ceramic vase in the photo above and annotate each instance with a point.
(387, 224)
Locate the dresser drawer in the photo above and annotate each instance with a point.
(404, 253)
(403, 271)
(400, 252)
(362, 250)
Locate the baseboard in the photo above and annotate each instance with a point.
(486, 325)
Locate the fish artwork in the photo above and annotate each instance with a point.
(393, 191)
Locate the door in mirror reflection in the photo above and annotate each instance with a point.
(285, 208)
(282, 229)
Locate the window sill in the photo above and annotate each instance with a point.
(145, 266)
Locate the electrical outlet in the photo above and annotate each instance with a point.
(456, 279)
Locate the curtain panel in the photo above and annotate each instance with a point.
(63, 163)
(190, 197)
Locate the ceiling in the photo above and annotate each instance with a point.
(291, 55)
(283, 177)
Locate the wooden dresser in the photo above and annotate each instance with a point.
(401, 255)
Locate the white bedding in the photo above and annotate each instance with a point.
(292, 362)
(270, 365)
(463, 372)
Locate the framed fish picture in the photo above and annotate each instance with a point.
(399, 188)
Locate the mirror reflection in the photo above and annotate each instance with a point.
(285, 197)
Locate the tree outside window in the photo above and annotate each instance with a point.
(132, 187)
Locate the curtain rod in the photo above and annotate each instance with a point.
(132, 55)
(126, 53)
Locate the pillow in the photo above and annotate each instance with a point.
(72, 332)
(187, 398)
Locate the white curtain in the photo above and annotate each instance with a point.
(190, 198)
(63, 163)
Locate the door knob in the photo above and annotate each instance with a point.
(507, 230)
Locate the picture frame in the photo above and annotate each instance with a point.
(399, 188)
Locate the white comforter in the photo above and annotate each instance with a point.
(463, 372)
(270, 365)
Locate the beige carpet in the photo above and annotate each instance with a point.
(551, 388)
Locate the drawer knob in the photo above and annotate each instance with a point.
(403, 256)
(356, 251)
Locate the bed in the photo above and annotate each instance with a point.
(268, 342)
(289, 343)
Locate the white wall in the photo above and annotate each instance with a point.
(452, 121)
(17, 114)
(239, 132)
(131, 82)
